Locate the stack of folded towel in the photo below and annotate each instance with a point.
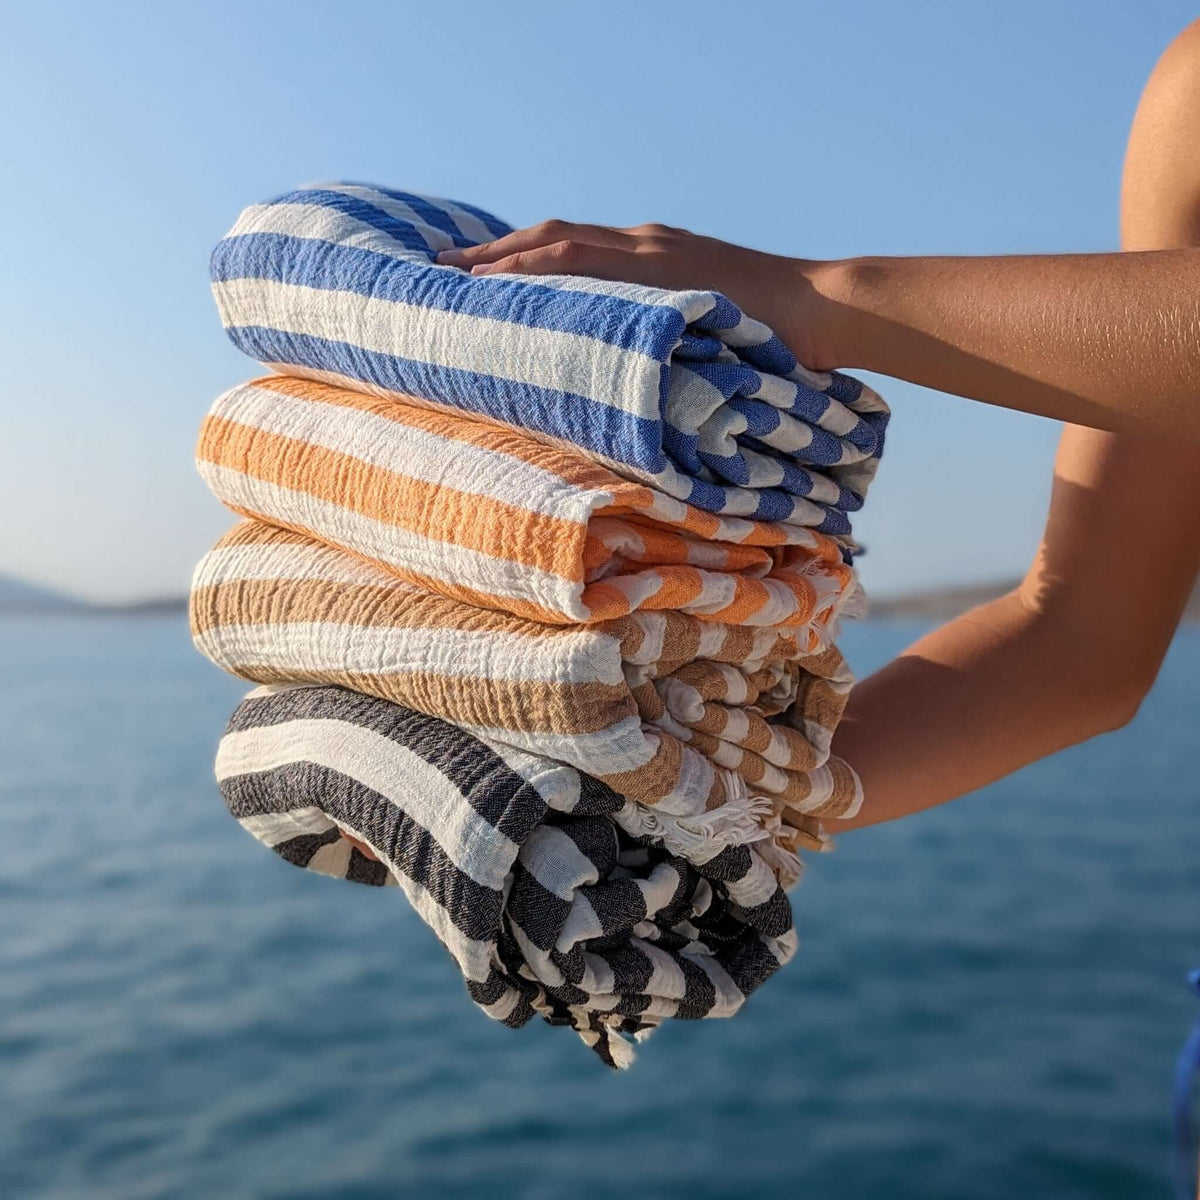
(542, 577)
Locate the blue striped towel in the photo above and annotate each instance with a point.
(678, 390)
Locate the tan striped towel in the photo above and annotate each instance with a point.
(726, 726)
(485, 514)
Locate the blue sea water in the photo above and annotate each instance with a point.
(987, 1002)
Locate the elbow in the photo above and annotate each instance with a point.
(1118, 710)
(1091, 690)
(1113, 703)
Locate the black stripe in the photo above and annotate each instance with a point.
(411, 849)
(596, 798)
(619, 904)
(300, 850)
(539, 913)
(595, 837)
(631, 970)
(750, 964)
(699, 994)
(772, 917)
(365, 870)
(484, 779)
(730, 865)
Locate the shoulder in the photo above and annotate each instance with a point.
(1173, 89)
(1161, 186)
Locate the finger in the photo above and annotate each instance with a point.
(535, 237)
(562, 258)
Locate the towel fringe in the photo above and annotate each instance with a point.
(739, 821)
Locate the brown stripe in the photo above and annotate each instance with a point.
(272, 601)
(660, 776)
(844, 790)
(531, 708)
(817, 700)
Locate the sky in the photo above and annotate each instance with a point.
(133, 133)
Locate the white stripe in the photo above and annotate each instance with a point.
(319, 223)
(411, 452)
(739, 502)
(499, 1010)
(273, 828)
(404, 779)
(402, 548)
(292, 561)
(556, 862)
(657, 890)
(306, 647)
(667, 979)
(333, 859)
(586, 366)
(756, 887)
(614, 750)
(581, 926)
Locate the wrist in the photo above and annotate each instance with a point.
(827, 294)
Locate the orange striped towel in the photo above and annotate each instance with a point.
(484, 514)
(707, 722)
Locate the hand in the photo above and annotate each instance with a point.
(781, 292)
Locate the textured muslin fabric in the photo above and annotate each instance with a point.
(541, 580)
(487, 515)
(676, 389)
(541, 883)
(726, 726)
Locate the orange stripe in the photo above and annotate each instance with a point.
(431, 510)
(520, 609)
(470, 429)
(576, 469)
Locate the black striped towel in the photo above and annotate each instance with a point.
(551, 892)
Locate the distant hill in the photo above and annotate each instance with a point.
(937, 604)
(17, 596)
(21, 598)
(943, 604)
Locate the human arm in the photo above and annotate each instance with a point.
(1106, 340)
(1065, 656)
(1072, 651)
(1111, 341)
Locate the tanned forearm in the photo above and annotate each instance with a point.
(1106, 340)
(971, 702)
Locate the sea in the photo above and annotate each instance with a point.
(987, 1003)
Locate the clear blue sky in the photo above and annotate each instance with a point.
(132, 134)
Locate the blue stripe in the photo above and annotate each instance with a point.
(429, 212)
(709, 496)
(580, 420)
(310, 262)
(760, 418)
(407, 275)
(495, 226)
(681, 448)
(728, 378)
(809, 404)
(404, 232)
(729, 466)
(695, 347)
(771, 356)
(844, 387)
